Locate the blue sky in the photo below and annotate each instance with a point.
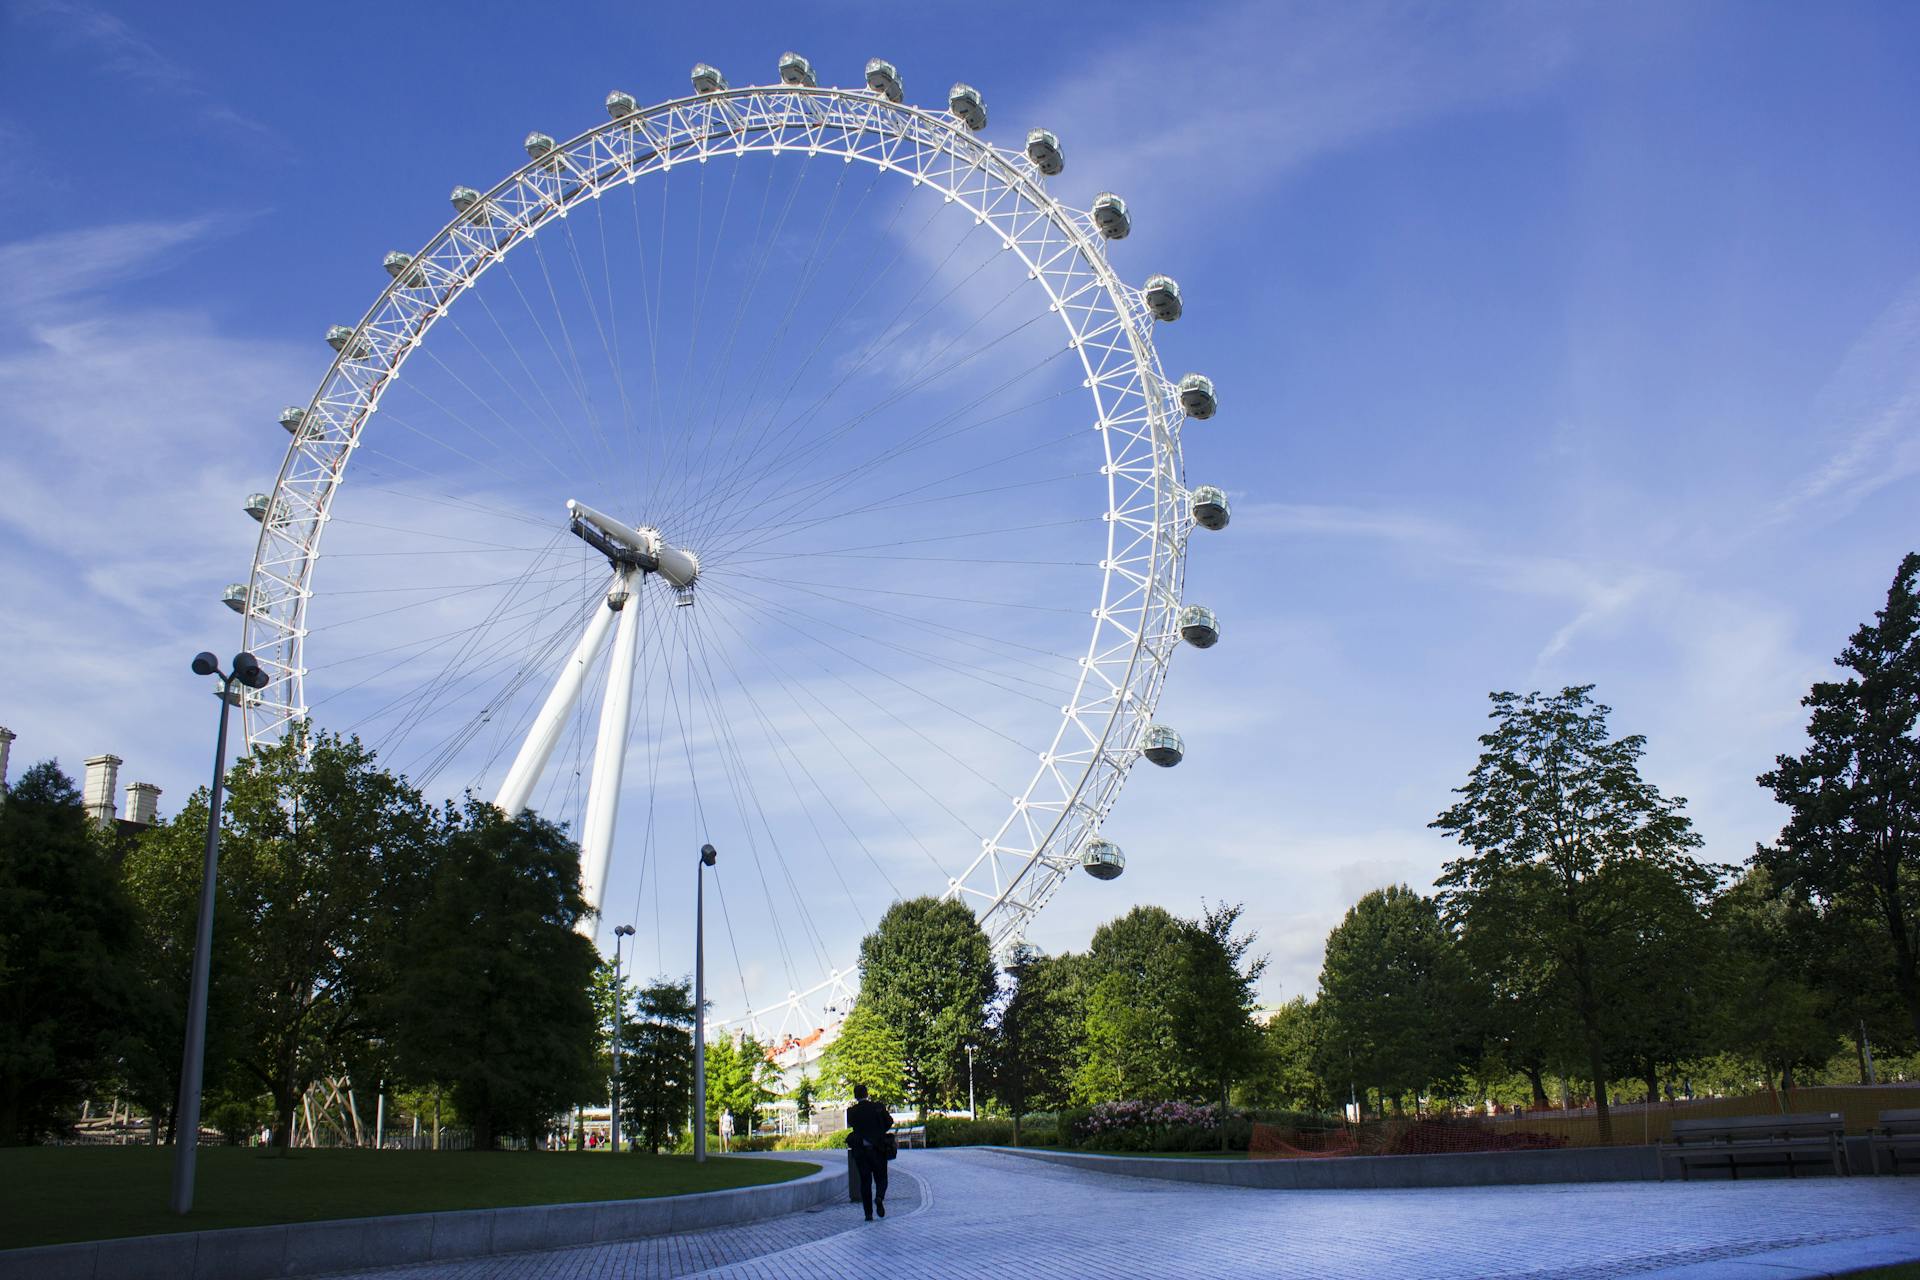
(1556, 344)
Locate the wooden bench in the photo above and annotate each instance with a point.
(1755, 1140)
(1899, 1131)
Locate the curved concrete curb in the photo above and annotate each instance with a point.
(1478, 1169)
(316, 1248)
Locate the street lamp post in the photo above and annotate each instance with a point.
(620, 934)
(186, 1127)
(707, 856)
(971, 1113)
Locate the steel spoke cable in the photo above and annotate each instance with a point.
(887, 333)
(804, 290)
(531, 442)
(616, 454)
(881, 342)
(772, 730)
(767, 246)
(746, 776)
(827, 486)
(729, 465)
(561, 426)
(833, 741)
(851, 424)
(783, 613)
(740, 790)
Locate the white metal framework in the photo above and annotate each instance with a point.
(1108, 323)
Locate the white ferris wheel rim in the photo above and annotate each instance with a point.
(1135, 628)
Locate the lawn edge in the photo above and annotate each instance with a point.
(346, 1244)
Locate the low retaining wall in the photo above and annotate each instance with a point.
(315, 1248)
(1483, 1168)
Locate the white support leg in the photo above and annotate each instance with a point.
(531, 763)
(609, 754)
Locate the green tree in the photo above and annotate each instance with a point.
(927, 971)
(867, 1051)
(656, 1063)
(67, 975)
(1392, 995)
(494, 1001)
(740, 1077)
(1853, 831)
(1769, 1009)
(1135, 1043)
(1216, 999)
(1288, 1074)
(1034, 1043)
(1559, 830)
(803, 1095)
(323, 858)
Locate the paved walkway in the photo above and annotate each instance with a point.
(974, 1213)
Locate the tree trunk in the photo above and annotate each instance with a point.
(1016, 1126)
(1596, 1057)
(285, 1105)
(1653, 1084)
(1223, 1113)
(1537, 1078)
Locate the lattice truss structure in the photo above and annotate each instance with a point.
(1137, 621)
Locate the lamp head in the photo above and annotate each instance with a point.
(708, 853)
(623, 931)
(205, 664)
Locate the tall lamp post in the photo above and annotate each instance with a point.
(186, 1128)
(707, 856)
(620, 934)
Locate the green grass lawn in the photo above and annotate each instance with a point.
(56, 1194)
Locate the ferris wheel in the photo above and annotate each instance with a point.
(780, 466)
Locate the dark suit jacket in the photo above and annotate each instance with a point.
(868, 1120)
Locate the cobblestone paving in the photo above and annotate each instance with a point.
(973, 1213)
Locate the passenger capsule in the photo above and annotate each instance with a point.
(1198, 626)
(540, 147)
(620, 105)
(340, 338)
(235, 597)
(1162, 746)
(1044, 150)
(290, 418)
(1209, 506)
(464, 199)
(1110, 215)
(708, 79)
(400, 267)
(1163, 297)
(1196, 396)
(964, 101)
(1103, 860)
(256, 506)
(884, 79)
(795, 69)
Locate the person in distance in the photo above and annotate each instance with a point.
(870, 1137)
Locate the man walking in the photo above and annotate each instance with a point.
(869, 1123)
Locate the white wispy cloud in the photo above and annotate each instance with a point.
(1868, 417)
(121, 51)
(1264, 88)
(63, 265)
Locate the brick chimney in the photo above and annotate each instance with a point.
(143, 803)
(103, 777)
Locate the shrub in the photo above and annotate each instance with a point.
(958, 1131)
(1166, 1126)
(812, 1141)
